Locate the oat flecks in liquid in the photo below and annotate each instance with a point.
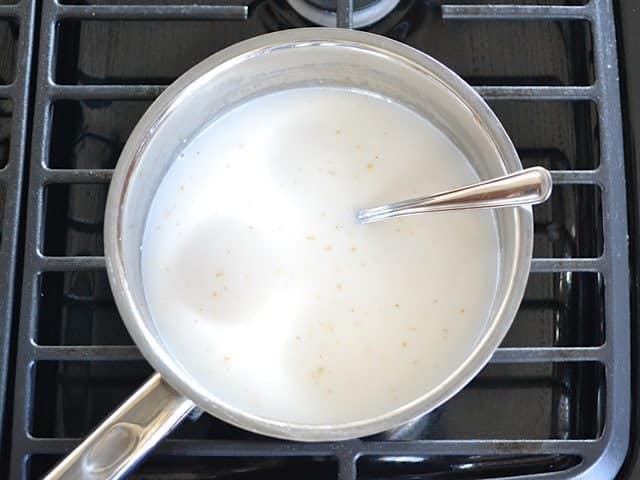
(276, 301)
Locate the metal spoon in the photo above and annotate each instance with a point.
(526, 187)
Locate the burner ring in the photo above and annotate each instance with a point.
(362, 17)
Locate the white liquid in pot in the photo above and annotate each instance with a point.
(270, 294)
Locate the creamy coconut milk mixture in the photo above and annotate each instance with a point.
(269, 293)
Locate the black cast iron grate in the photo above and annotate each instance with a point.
(555, 399)
(16, 33)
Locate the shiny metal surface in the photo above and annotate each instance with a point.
(528, 187)
(126, 435)
(365, 13)
(295, 59)
(298, 58)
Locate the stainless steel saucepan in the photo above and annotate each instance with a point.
(273, 62)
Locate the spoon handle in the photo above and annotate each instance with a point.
(526, 187)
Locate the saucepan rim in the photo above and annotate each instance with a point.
(133, 154)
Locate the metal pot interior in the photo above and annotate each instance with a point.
(310, 57)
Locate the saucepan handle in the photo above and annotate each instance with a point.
(127, 434)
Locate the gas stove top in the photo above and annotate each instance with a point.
(555, 400)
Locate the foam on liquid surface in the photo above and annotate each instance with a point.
(266, 289)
